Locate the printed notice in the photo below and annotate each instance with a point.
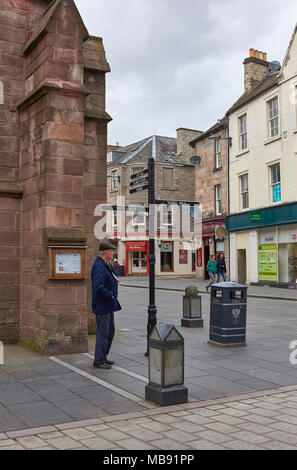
(68, 263)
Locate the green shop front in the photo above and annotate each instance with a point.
(263, 245)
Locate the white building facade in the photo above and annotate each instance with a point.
(263, 172)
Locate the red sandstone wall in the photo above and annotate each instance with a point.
(56, 153)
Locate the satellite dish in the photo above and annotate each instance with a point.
(195, 160)
(274, 65)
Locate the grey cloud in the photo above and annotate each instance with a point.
(179, 62)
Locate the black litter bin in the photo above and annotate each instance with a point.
(228, 314)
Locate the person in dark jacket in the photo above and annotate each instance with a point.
(104, 303)
(116, 267)
(221, 267)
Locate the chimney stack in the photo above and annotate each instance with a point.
(256, 68)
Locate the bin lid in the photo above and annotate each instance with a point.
(230, 285)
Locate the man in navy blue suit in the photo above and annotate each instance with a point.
(104, 303)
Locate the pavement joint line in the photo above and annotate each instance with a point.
(128, 372)
(121, 369)
(253, 296)
(164, 410)
(105, 384)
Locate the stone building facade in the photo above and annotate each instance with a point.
(174, 181)
(53, 128)
(211, 190)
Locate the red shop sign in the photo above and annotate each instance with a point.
(294, 236)
(136, 246)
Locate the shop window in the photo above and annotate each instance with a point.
(292, 262)
(275, 183)
(166, 256)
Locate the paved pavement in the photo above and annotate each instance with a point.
(179, 284)
(254, 421)
(36, 391)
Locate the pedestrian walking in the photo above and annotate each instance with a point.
(104, 303)
(221, 267)
(212, 269)
(116, 267)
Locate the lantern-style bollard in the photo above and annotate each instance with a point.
(192, 317)
(166, 366)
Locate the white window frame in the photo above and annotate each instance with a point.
(273, 118)
(217, 199)
(136, 215)
(243, 137)
(114, 218)
(167, 210)
(114, 180)
(245, 192)
(273, 184)
(218, 150)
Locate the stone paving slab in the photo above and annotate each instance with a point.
(171, 429)
(35, 391)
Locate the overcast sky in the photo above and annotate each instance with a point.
(178, 63)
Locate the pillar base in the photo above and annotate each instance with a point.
(166, 396)
(192, 322)
(230, 345)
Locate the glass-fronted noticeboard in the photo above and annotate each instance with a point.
(67, 262)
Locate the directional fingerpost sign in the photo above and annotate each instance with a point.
(139, 181)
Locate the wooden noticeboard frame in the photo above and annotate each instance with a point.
(54, 251)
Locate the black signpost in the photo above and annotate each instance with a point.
(152, 309)
(141, 181)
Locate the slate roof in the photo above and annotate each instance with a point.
(221, 124)
(269, 81)
(141, 151)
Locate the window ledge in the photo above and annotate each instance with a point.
(243, 152)
(273, 139)
(217, 169)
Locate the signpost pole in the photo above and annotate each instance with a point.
(152, 309)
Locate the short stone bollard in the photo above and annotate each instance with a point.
(166, 366)
(192, 316)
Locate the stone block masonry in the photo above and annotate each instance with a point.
(53, 128)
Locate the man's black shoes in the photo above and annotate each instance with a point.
(110, 363)
(102, 366)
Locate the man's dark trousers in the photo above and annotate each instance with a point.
(104, 336)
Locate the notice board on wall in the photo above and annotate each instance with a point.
(67, 263)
